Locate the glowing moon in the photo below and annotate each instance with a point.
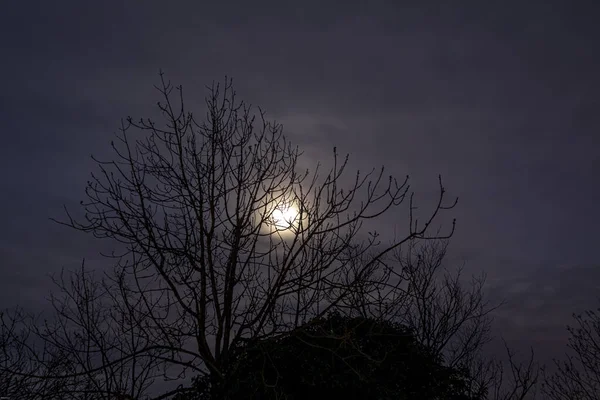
(284, 217)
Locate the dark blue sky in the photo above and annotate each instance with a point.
(501, 98)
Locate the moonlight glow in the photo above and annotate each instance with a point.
(284, 217)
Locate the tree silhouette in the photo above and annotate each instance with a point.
(452, 318)
(210, 255)
(578, 378)
(339, 357)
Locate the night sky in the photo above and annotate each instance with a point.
(499, 97)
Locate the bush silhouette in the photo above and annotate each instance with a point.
(338, 357)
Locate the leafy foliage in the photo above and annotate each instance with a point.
(338, 357)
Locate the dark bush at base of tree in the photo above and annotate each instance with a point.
(338, 357)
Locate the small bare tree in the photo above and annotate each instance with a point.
(509, 379)
(12, 355)
(24, 359)
(453, 318)
(578, 377)
(223, 240)
(449, 315)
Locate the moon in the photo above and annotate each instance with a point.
(284, 217)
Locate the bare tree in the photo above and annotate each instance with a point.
(223, 240)
(509, 379)
(11, 355)
(23, 359)
(92, 347)
(578, 377)
(449, 315)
